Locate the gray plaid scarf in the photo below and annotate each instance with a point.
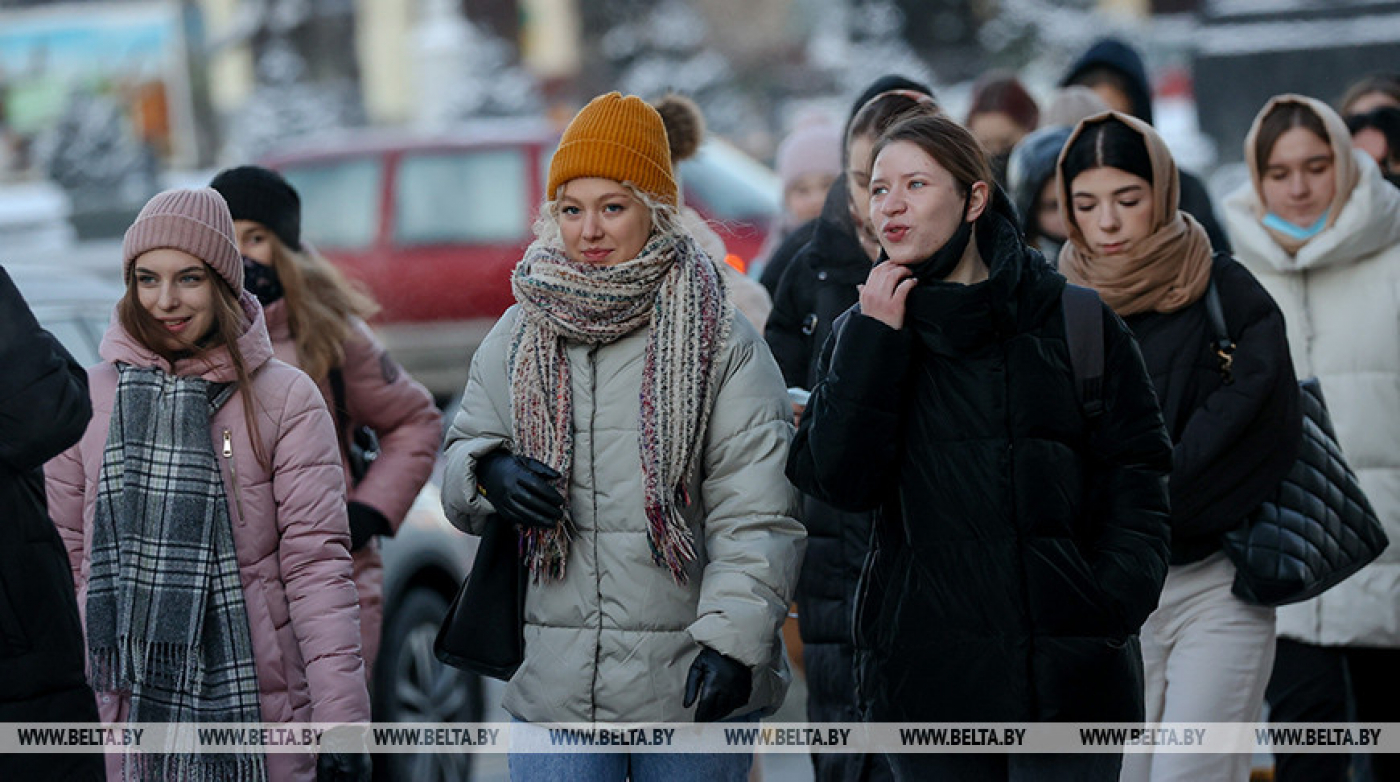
(673, 289)
(166, 619)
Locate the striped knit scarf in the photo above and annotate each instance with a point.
(166, 620)
(674, 290)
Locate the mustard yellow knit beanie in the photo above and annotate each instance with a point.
(616, 138)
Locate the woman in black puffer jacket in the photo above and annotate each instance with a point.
(1020, 542)
(1236, 428)
(44, 408)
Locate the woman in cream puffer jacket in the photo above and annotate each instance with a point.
(650, 425)
(1319, 227)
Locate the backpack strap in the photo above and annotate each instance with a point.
(1084, 333)
(336, 377)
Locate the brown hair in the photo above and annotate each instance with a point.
(229, 323)
(882, 111)
(948, 143)
(320, 303)
(1001, 91)
(1283, 118)
(1387, 84)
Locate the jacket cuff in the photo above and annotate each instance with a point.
(365, 523)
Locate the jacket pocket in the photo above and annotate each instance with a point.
(1065, 596)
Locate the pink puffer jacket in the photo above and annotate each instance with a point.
(380, 395)
(289, 530)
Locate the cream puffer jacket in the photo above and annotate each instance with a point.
(1340, 297)
(613, 641)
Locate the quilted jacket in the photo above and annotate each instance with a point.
(1018, 546)
(1340, 297)
(614, 639)
(378, 394)
(289, 530)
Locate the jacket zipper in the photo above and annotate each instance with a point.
(233, 472)
(593, 508)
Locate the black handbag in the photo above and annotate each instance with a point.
(1318, 528)
(484, 630)
(362, 447)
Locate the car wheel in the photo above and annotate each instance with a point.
(411, 685)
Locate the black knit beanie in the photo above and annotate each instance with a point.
(263, 196)
(885, 84)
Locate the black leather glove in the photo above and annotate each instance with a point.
(343, 767)
(365, 523)
(721, 683)
(519, 488)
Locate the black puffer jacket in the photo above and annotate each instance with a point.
(1235, 442)
(44, 408)
(1018, 547)
(818, 285)
(783, 254)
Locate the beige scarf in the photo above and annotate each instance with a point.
(1164, 272)
(673, 289)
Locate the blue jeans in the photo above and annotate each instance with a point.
(956, 767)
(639, 767)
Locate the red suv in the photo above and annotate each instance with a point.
(434, 225)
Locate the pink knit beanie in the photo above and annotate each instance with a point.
(194, 221)
(811, 148)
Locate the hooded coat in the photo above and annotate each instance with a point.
(1340, 295)
(1120, 57)
(290, 532)
(1018, 546)
(380, 395)
(614, 639)
(44, 409)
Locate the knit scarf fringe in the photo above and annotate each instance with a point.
(674, 290)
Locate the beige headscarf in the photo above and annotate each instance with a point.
(1343, 163)
(1166, 271)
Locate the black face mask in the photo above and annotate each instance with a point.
(261, 281)
(946, 258)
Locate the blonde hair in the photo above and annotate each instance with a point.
(321, 302)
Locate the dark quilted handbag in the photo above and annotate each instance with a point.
(1318, 528)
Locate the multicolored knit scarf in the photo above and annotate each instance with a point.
(671, 285)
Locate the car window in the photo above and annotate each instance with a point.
(68, 329)
(730, 185)
(461, 197)
(339, 201)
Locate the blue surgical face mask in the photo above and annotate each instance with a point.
(1292, 231)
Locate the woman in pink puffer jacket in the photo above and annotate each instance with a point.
(316, 321)
(210, 468)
